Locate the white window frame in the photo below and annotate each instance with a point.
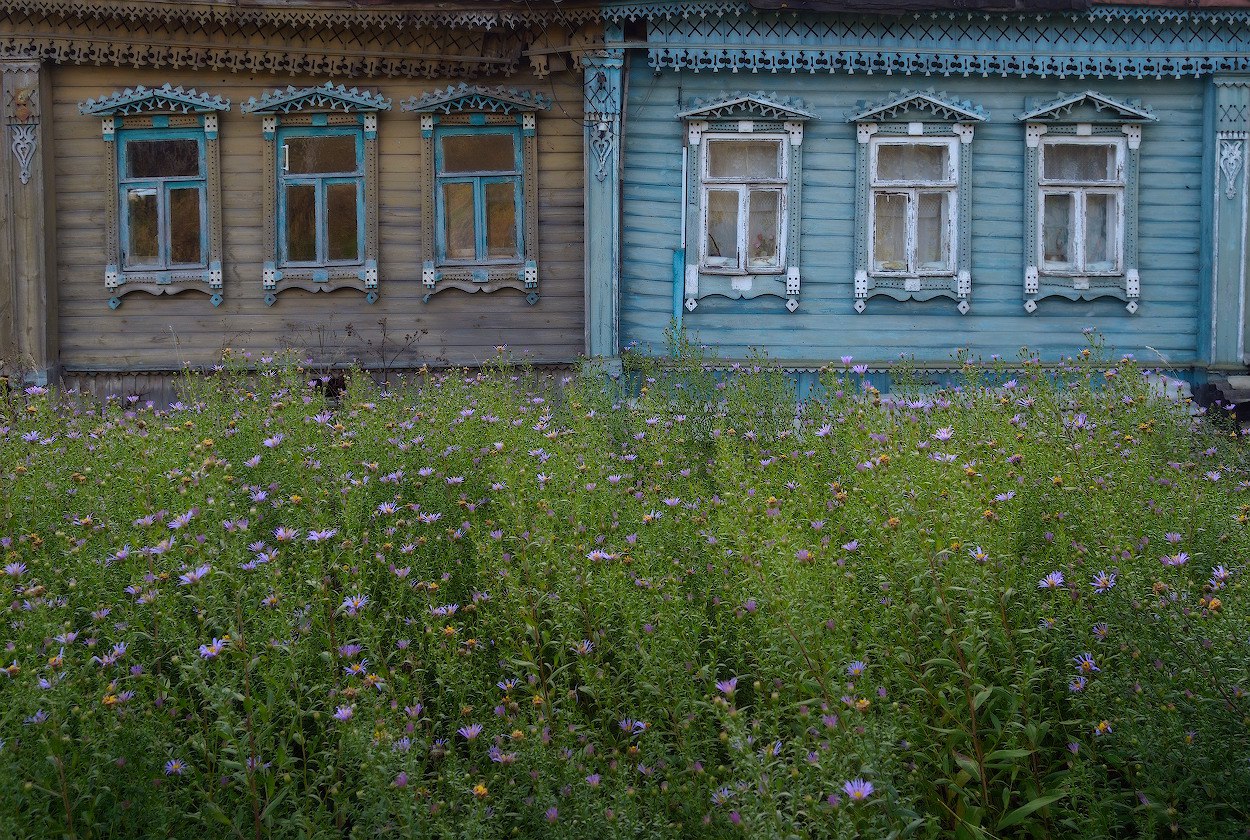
(948, 186)
(744, 188)
(1080, 190)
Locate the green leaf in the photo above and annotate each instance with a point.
(1018, 816)
(968, 765)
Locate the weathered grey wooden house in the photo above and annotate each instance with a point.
(182, 177)
(409, 183)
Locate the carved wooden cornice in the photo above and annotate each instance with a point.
(500, 14)
(383, 40)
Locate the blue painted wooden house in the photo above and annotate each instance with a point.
(820, 183)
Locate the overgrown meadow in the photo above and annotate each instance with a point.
(670, 607)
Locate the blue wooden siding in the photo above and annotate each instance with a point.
(826, 327)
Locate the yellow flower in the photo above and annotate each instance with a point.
(480, 791)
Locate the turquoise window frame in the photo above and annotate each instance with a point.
(162, 186)
(479, 180)
(320, 181)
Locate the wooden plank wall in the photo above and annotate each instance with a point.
(826, 327)
(453, 328)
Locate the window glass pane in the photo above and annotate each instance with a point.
(1100, 231)
(458, 229)
(301, 223)
(889, 240)
(142, 226)
(162, 158)
(1057, 230)
(501, 220)
(342, 222)
(763, 229)
(1078, 162)
(332, 153)
(479, 153)
(745, 160)
(932, 232)
(722, 228)
(184, 227)
(912, 162)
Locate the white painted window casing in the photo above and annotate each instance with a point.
(913, 208)
(743, 203)
(1080, 214)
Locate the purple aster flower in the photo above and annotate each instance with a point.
(856, 668)
(344, 713)
(211, 650)
(195, 575)
(727, 687)
(175, 767)
(857, 790)
(1085, 663)
(1054, 580)
(353, 604)
(470, 732)
(1103, 582)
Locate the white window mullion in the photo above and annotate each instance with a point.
(913, 210)
(1078, 232)
(744, 224)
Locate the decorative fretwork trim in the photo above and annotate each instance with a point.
(325, 97)
(766, 106)
(1060, 45)
(1060, 109)
(466, 97)
(164, 98)
(938, 104)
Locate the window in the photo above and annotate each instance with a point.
(320, 189)
(913, 206)
(744, 201)
(480, 166)
(321, 196)
(740, 233)
(913, 199)
(479, 196)
(163, 217)
(1081, 184)
(163, 200)
(1081, 192)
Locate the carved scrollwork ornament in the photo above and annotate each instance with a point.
(22, 117)
(1231, 158)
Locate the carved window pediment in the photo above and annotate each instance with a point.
(925, 105)
(1087, 107)
(758, 106)
(467, 97)
(327, 97)
(164, 98)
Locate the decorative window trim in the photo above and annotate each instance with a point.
(181, 113)
(321, 106)
(1086, 117)
(459, 109)
(745, 116)
(917, 116)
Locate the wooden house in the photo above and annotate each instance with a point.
(875, 179)
(405, 183)
(399, 184)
